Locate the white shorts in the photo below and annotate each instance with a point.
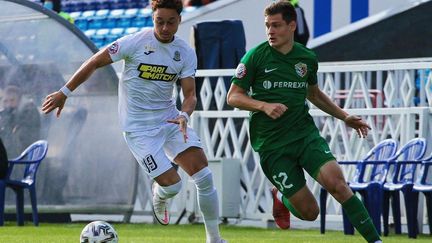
(155, 149)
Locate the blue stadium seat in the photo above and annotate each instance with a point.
(110, 22)
(92, 5)
(116, 13)
(141, 4)
(131, 30)
(77, 6)
(367, 184)
(96, 23)
(66, 7)
(102, 32)
(28, 162)
(124, 22)
(119, 4)
(104, 4)
(113, 35)
(117, 32)
(102, 13)
(90, 32)
(88, 14)
(110, 39)
(423, 184)
(140, 21)
(400, 178)
(145, 12)
(81, 23)
(75, 15)
(99, 41)
(131, 12)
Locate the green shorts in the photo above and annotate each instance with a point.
(284, 166)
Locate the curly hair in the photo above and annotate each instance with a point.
(170, 4)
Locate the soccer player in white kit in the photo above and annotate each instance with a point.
(155, 131)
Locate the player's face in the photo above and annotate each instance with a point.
(279, 33)
(166, 22)
(10, 101)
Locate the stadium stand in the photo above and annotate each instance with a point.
(121, 16)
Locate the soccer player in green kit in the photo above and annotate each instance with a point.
(280, 75)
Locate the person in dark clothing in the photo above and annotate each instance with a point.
(19, 121)
(301, 34)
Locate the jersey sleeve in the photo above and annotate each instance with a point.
(121, 48)
(312, 78)
(190, 65)
(245, 72)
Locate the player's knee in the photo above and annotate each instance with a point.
(339, 189)
(310, 214)
(203, 180)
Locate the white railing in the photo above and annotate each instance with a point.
(382, 92)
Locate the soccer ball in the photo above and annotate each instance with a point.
(98, 232)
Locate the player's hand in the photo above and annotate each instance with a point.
(182, 122)
(358, 124)
(53, 101)
(275, 110)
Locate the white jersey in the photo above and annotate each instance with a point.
(151, 70)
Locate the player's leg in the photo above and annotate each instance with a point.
(147, 148)
(330, 176)
(319, 162)
(191, 158)
(282, 169)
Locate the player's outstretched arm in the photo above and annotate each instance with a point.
(324, 103)
(56, 100)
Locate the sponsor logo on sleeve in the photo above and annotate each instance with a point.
(113, 48)
(241, 71)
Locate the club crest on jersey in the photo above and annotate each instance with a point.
(241, 71)
(301, 69)
(176, 56)
(114, 47)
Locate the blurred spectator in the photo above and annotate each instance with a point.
(55, 5)
(196, 3)
(19, 121)
(301, 34)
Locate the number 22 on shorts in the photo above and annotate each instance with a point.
(281, 180)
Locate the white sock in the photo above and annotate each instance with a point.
(208, 203)
(170, 191)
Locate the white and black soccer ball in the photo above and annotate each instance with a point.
(98, 232)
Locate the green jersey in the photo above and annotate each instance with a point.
(273, 77)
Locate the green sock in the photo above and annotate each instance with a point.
(360, 219)
(290, 207)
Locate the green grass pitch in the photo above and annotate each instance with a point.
(149, 233)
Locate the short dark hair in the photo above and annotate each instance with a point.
(171, 4)
(283, 7)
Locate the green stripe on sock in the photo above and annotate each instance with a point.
(360, 219)
(287, 204)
